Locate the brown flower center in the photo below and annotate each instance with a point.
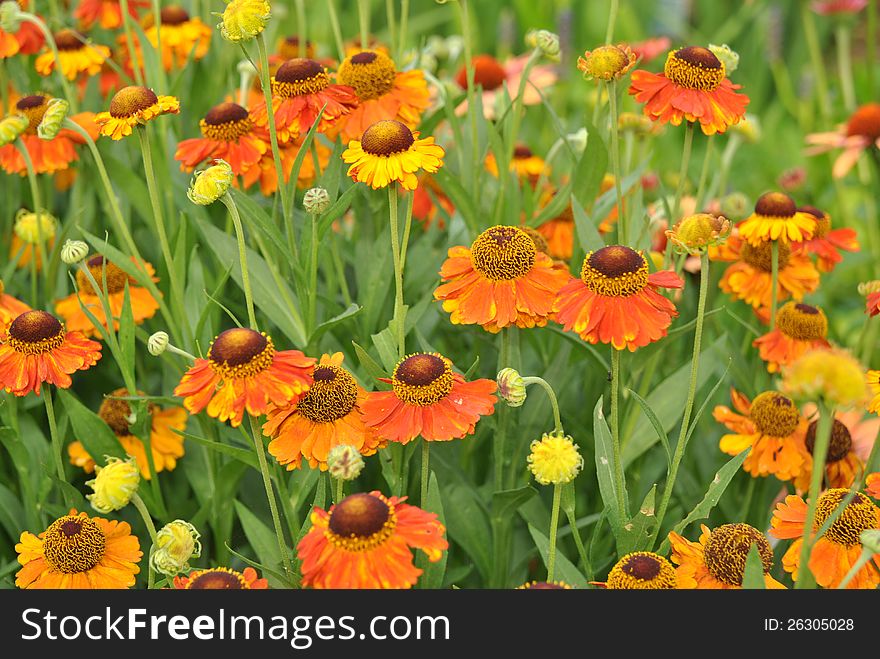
(241, 353)
(217, 579)
(289, 48)
(387, 137)
(859, 515)
(333, 394)
(775, 204)
(361, 522)
(641, 570)
(99, 268)
(488, 73)
(35, 332)
(370, 73)
(641, 566)
(838, 447)
(67, 40)
(865, 122)
(298, 77)
(728, 547)
(503, 253)
(34, 108)
(540, 241)
(173, 15)
(226, 122)
(615, 271)
(116, 412)
(774, 414)
(694, 67)
(802, 321)
(522, 152)
(422, 378)
(823, 221)
(130, 100)
(761, 256)
(73, 544)
(543, 585)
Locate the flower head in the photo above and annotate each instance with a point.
(34, 227)
(176, 543)
(858, 135)
(696, 233)
(75, 56)
(607, 62)
(344, 461)
(114, 484)
(641, 570)
(133, 106)
(544, 585)
(316, 200)
(389, 152)
(56, 113)
(221, 578)
(10, 16)
(831, 374)
(554, 459)
(799, 328)
(157, 343)
(210, 184)
(243, 20)
(545, 41)
(776, 217)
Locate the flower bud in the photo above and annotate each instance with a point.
(696, 233)
(176, 543)
(33, 227)
(10, 16)
(728, 57)
(74, 251)
(511, 387)
(345, 461)
(607, 62)
(871, 540)
(157, 343)
(243, 20)
(831, 374)
(56, 113)
(114, 484)
(210, 184)
(12, 126)
(554, 459)
(545, 41)
(316, 201)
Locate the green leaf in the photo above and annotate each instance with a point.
(264, 569)
(636, 534)
(658, 427)
(240, 454)
(507, 502)
(605, 468)
(11, 512)
(261, 538)
(125, 336)
(255, 215)
(590, 170)
(461, 199)
(90, 429)
(352, 310)
(336, 211)
(565, 570)
(587, 231)
(436, 571)
(386, 343)
(370, 364)
(468, 525)
(753, 577)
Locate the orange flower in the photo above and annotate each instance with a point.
(772, 427)
(427, 398)
(852, 438)
(79, 552)
(500, 81)
(833, 554)
(718, 560)
(10, 308)
(382, 92)
(264, 171)
(27, 41)
(243, 371)
(826, 242)
(616, 301)
(527, 166)
(221, 578)
(799, 328)
(288, 48)
(365, 541)
(70, 308)
(749, 278)
(776, 217)
(650, 48)
(47, 156)
(873, 482)
(300, 88)
(106, 12)
(328, 415)
(228, 133)
(166, 445)
(501, 280)
(35, 349)
(872, 303)
(859, 134)
(560, 231)
(427, 201)
(132, 106)
(692, 87)
(75, 56)
(183, 37)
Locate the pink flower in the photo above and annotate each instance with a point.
(649, 48)
(491, 75)
(826, 7)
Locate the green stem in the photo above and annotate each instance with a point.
(582, 552)
(129, 43)
(615, 434)
(50, 40)
(337, 31)
(554, 524)
(844, 65)
(816, 61)
(774, 282)
(682, 172)
(704, 175)
(159, 220)
(313, 276)
(612, 18)
(423, 490)
(464, 15)
(615, 153)
(820, 453)
(340, 491)
(501, 434)
(557, 421)
(151, 529)
(340, 269)
(719, 185)
(398, 274)
(392, 29)
(364, 21)
(273, 136)
(157, 22)
(401, 35)
(242, 258)
(681, 445)
(38, 252)
(301, 24)
(270, 495)
(56, 440)
(871, 48)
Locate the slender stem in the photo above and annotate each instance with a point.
(576, 534)
(398, 273)
(364, 20)
(816, 61)
(158, 219)
(423, 490)
(337, 31)
(612, 18)
(56, 439)
(682, 173)
(340, 269)
(704, 174)
(38, 251)
(720, 183)
(151, 529)
(129, 43)
(554, 524)
(407, 227)
(467, 37)
(774, 282)
(273, 136)
(615, 153)
(871, 48)
(392, 28)
(313, 276)
(503, 414)
(242, 258)
(557, 421)
(270, 495)
(401, 35)
(50, 39)
(691, 395)
(820, 453)
(157, 21)
(301, 24)
(340, 490)
(615, 434)
(843, 37)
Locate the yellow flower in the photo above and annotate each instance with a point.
(114, 484)
(56, 112)
(641, 570)
(176, 543)
(11, 127)
(607, 62)
(132, 106)
(776, 217)
(388, 151)
(32, 227)
(696, 233)
(210, 184)
(244, 19)
(554, 459)
(829, 373)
